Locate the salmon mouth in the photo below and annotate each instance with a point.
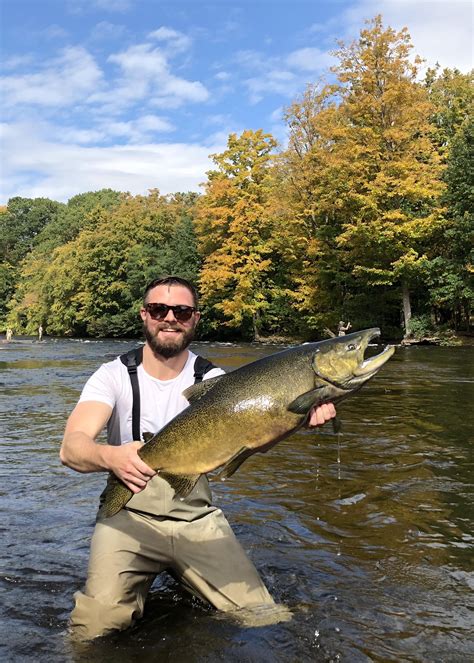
(371, 365)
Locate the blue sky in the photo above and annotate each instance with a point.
(136, 94)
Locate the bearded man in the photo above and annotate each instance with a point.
(156, 531)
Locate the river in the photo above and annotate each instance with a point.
(367, 536)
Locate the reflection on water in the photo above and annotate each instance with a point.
(366, 537)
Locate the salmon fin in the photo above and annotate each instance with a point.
(147, 437)
(336, 425)
(181, 483)
(197, 390)
(114, 498)
(235, 462)
(304, 403)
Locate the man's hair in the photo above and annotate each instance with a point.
(171, 280)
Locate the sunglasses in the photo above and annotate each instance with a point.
(181, 312)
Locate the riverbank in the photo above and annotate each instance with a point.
(450, 339)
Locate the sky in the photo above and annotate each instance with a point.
(137, 94)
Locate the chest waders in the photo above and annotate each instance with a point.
(132, 360)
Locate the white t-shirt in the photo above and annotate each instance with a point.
(160, 401)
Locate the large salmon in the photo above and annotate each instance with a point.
(233, 416)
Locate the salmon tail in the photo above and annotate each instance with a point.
(114, 498)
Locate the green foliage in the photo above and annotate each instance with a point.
(20, 228)
(452, 96)
(93, 284)
(422, 326)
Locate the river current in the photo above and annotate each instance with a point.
(366, 536)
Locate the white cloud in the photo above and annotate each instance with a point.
(73, 135)
(85, 6)
(113, 5)
(222, 76)
(309, 59)
(107, 31)
(274, 81)
(441, 31)
(67, 79)
(176, 41)
(285, 75)
(139, 130)
(145, 75)
(67, 169)
(277, 114)
(17, 61)
(54, 32)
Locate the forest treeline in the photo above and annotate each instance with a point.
(366, 215)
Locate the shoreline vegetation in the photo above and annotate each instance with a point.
(449, 340)
(366, 217)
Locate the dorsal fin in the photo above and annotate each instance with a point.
(196, 391)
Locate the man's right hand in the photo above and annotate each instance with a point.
(127, 465)
(81, 452)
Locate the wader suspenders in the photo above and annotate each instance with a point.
(131, 360)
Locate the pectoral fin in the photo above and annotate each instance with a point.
(181, 483)
(304, 403)
(235, 462)
(196, 391)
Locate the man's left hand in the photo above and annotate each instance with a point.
(319, 415)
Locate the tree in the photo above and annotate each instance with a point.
(451, 270)
(378, 175)
(234, 229)
(93, 284)
(452, 97)
(20, 227)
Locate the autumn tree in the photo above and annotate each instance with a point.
(379, 177)
(234, 228)
(311, 185)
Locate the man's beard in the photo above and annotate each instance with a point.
(174, 346)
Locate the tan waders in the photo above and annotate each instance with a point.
(130, 549)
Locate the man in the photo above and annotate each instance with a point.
(342, 328)
(156, 531)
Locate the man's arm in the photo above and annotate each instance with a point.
(81, 452)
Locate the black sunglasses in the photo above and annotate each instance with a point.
(181, 312)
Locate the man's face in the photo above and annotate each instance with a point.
(169, 337)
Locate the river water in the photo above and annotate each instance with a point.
(367, 537)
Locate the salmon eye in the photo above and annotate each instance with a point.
(351, 346)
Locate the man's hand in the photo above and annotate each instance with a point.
(319, 415)
(127, 465)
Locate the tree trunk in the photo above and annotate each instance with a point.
(255, 324)
(406, 308)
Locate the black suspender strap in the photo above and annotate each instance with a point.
(201, 367)
(132, 359)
